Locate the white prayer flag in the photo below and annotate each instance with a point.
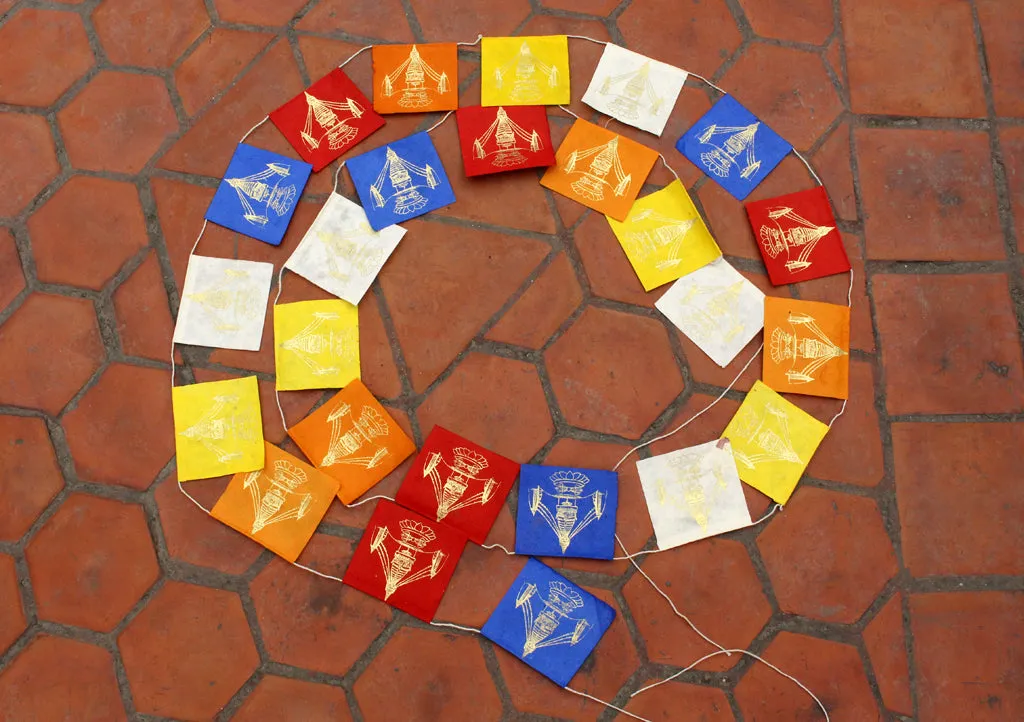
(634, 89)
(340, 252)
(717, 309)
(224, 303)
(693, 493)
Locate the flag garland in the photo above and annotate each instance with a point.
(691, 493)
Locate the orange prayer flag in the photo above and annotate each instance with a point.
(278, 506)
(353, 439)
(807, 347)
(415, 78)
(600, 169)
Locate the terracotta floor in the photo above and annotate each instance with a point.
(892, 583)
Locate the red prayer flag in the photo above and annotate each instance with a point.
(405, 560)
(498, 139)
(458, 483)
(797, 236)
(326, 119)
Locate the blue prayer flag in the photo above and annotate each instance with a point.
(402, 180)
(548, 622)
(733, 147)
(258, 193)
(566, 512)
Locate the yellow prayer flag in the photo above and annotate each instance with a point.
(532, 70)
(664, 236)
(316, 344)
(217, 428)
(773, 442)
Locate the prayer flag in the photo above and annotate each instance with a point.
(495, 140)
(415, 78)
(529, 70)
(316, 344)
(807, 347)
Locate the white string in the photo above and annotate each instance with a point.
(849, 292)
(198, 238)
(708, 82)
(670, 168)
(277, 395)
(319, 574)
(440, 121)
(749, 654)
(609, 705)
(668, 599)
(584, 37)
(191, 498)
(498, 546)
(337, 174)
(570, 112)
(454, 626)
(840, 413)
(696, 415)
(809, 168)
(475, 42)
(642, 552)
(367, 500)
(265, 119)
(353, 55)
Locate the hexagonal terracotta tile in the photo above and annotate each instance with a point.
(886, 643)
(803, 21)
(12, 277)
(258, 12)
(129, 407)
(55, 678)
(545, 305)
(91, 562)
(786, 88)
(214, 64)
(312, 622)
(117, 122)
(662, 704)
(187, 652)
(698, 40)
(833, 671)
(104, 218)
(29, 475)
(613, 372)
(828, 555)
(442, 676)
(606, 265)
(714, 583)
(12, 616)
(144, 322)
(292, 700)
(365, 18)
(463, 19)
(377, 367)
(611, 663)
(36, 377)
(30, 162)
(149, 33)
(443, 288)
(496, 402)
(42, 53)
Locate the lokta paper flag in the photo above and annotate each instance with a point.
(717, 308)
(316, 344)
(797, 236)
(531, 70)
(733, 147)
(258, 193)
(353, 439)
(405, 559)
(402, 180)
(548, 622)
(223, 303)
(773, 442)
(634, 89)
(566, 512)
(693, 493)
(326, 119)
(600, 169)
(664, 237)
(458, 483)
(415, 78)
(218, 429)
(340, 252)
(493, 140)
(807, 347)
(278, 506)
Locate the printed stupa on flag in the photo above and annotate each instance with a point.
(405, 559)
(353, 439)
(807, 347)
(278, 506)
(733, 147)
(634, 89)
(326, 119)
(218, 429)
(664, 237)
(258, 194)
(223, 303)
(528, 70)
(566, 512)
(415, 78)
(458, 483)
(693, 493)
(494, 140)
(548, 622)
(340, 252)
(401, 180)
(316, 344)
(717, 308)
(773, 441)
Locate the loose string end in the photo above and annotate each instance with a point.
(498, 546)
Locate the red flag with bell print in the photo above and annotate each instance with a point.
(498, 139)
